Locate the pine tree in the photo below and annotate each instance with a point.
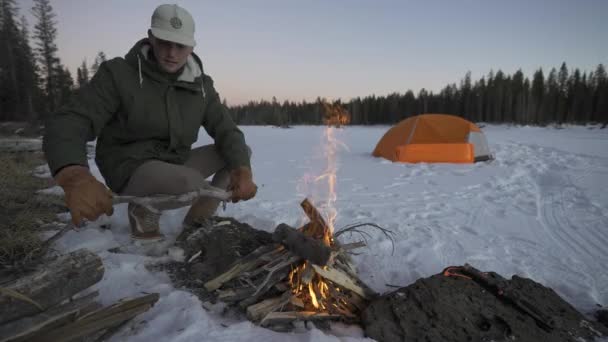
(562, 103)
(29, 74)
(45, 32)
(600, 96)
(537, 95)
(18, 79)
(100, 58)
(9, 92)
(82, 77)
(65, 84)
(518, 100)
(553, 96)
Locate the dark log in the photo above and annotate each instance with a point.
(20, 145)
(52, 283)
(301, 245)
(49, 319)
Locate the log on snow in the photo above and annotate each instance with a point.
(51, 284)
(24, 328)
(20, 145)
(99, 320)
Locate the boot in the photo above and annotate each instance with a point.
(144, 223)
(202, 209)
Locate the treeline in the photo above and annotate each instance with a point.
(33, 81)
(562, 96)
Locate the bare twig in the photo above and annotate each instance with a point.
(353, 229)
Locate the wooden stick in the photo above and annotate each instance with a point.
(266, 285)
(250, 261)
(317, 226)
(341, 279)
(307, 274)
(175, 201)
(350, 246)
(258, 311)
(235, 295)
(276, 269)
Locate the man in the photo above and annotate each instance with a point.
(146, 110)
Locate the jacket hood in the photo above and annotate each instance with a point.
(141, 58)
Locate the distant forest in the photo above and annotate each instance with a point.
(34, 83)
(562, 96)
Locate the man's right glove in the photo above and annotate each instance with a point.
(85, 196)
(241, 184)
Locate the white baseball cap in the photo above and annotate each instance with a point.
(173, 23)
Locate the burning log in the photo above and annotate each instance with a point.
(317, 228)
(301, 245)
(343, 279)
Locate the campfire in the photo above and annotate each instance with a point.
(307, 275)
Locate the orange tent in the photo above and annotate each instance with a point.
(434, 138)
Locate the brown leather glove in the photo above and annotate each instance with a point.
(241, 184)
(85, 196)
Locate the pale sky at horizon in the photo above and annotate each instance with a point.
(299, 50)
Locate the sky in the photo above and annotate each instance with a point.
(298, 50)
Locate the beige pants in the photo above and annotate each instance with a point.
(158, 177)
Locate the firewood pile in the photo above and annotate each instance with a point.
(54, 303)
(306, 275)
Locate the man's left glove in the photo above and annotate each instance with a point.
(241, 184)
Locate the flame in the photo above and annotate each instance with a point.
(335, 116)
(313, 296)
(318, 290)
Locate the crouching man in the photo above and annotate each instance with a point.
(146, 110)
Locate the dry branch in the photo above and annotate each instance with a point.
(164, 202)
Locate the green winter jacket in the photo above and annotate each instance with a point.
(139, 113)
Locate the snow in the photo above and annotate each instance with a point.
(540, 210)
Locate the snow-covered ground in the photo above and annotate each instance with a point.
(540, 210)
